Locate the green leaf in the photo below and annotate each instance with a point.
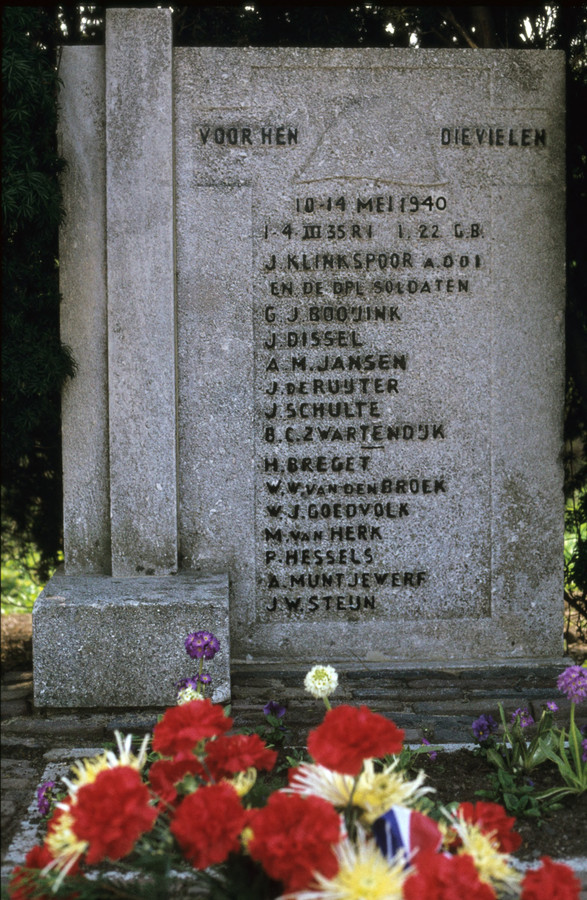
(496, 758)
(511, 801)
(505, 779)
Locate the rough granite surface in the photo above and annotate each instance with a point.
(116, 642)
(335, 367)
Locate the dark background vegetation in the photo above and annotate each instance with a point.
(34, 362)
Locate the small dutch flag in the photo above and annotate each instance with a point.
(406, 829)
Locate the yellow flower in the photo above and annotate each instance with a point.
(448, 833)
(64, 845)
(373, 792)
(492, 865)
(364, 874)
(376, 792)
(246, 836)
(187, 694)
(242, 782)
(125, 757)
(62, 841)
(85, 771)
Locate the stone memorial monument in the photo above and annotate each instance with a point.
(316, 301)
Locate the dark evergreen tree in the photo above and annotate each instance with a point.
(34, 363)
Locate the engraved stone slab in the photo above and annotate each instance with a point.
(370, 288)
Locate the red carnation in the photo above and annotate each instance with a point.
(111, 813)
(183, 727)
(207, 824)
(553, 881)
(38, 857)
(293, 838)
(491, 819)
(349, 735)
(166, 773)
(230, 754)
(24, 883)
(441, 877)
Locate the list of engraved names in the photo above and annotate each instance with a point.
(357, 299)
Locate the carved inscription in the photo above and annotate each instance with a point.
(351, 457)
(369, 297)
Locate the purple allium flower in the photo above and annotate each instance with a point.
(584, 746)
(202, 645)
(484, 727)
(274, 708)
(43, 802)
(551, 705)
(573, 683)
(432, 754)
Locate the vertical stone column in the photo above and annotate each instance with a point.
(82, 276)
(110, 630)
(141, 301)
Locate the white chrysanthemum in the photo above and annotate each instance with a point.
(373, 792)
(363, 874)
(187, 694)
(316, 780)
(321, 681)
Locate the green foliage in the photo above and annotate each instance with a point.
(576, 551)
(520, 749)
(21, 584)
(516, 794)
(515, 752)
(274, 732)
(570, 764)
(19, 587)
(240, 879)
(277, 736)
(34, 362)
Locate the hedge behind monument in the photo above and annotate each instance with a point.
(34, 363)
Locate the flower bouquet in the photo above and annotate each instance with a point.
(191, 815)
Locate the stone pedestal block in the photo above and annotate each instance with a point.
(116, 642)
